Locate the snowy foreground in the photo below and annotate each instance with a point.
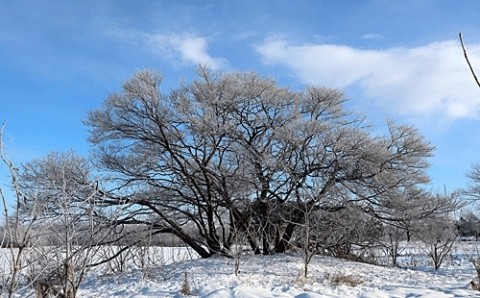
(280, 276)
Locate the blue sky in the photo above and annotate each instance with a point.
(397, 60)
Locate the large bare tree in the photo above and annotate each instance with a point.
(236, 151)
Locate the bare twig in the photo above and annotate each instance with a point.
(19, 237)
(468, 60)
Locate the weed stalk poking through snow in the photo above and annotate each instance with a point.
(186, 289)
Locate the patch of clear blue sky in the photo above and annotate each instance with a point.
(60, 59)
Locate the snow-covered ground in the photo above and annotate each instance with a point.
(281, 276)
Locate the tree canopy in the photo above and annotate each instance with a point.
(236, 152)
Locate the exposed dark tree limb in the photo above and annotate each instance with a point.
(468, 60)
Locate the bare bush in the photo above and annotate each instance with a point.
(238, 249)
(394, 242)
(59, 204)
(475, 283)
(344, 279)
(437, 237)
(18, 235)
(186, 288)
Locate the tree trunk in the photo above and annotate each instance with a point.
(282, 245)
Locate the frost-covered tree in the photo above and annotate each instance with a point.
(59, 196)
(437, 236)
(469, 225)
(234, 152)
(408, 213)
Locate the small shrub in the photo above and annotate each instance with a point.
(475, 283)
(45, 289)
(186, 289)
(301, 279)
(344, 279)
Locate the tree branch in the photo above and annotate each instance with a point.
(468, 61)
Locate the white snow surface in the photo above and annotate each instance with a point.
(281, 276)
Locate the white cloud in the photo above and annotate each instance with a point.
(184, 48)
(429, 80)
(188, 48)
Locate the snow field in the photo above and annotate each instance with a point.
(281, 276)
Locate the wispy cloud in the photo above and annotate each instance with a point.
(182, 48)
(188, 48)
(427, 80)
(371, 36)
